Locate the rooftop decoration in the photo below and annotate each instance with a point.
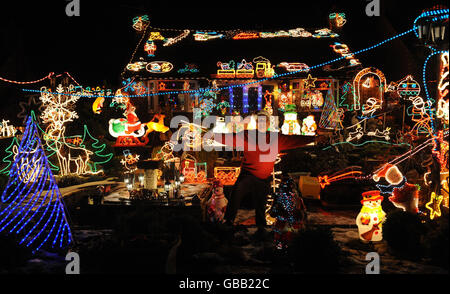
(159, 67)
(189, 68)
(140, 22)
(324, 33)
(338, 18)
(263, 68)
(294, 66)
(206, 36)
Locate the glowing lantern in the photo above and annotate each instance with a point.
(309, 126)
(371, 217)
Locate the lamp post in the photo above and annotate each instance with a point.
(432, 32)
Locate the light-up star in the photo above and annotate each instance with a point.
(434, 205)
(310, 82)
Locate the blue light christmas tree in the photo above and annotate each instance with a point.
(31, 205)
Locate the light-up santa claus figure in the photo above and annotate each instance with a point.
(217, 204)
(309, 126)
(371, 217)
(402, 194)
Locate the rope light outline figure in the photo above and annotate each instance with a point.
(356, 86)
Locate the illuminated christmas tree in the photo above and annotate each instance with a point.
(9, 158)
(98, 148)
(31, 205)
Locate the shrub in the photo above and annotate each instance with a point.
(69, 180)
(3, 182)
(436, 242)
(403, 232)
(12, 255)
(314, 250)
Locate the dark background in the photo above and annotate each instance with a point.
(38, 37)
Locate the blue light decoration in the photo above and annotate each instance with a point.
(31, 205)
(231, 98)
(260, 97)
(245, 100)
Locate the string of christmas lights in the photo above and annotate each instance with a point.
(201, 90)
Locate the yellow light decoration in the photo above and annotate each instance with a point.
(309, 82)
(434, 205)
(263, 68)
(361, 80)
(371, 217)
(444, 191)
(98, 105)
(157, 126)
(227, 175)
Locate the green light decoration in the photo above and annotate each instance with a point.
(9, 158)
(98, 149)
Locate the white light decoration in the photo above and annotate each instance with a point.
(290, 125)
(442, 111)
(408, 88)
(159, 67)
(221, 126)
(59, 110)
(206, 36)
(294, 66)
(371, 217)
(309, 126)
(171, 41)
(7, 130)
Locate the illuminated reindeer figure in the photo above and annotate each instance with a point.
(58, 110)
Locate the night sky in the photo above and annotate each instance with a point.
(37, 37)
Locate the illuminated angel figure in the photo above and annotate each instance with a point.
(59, 110)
